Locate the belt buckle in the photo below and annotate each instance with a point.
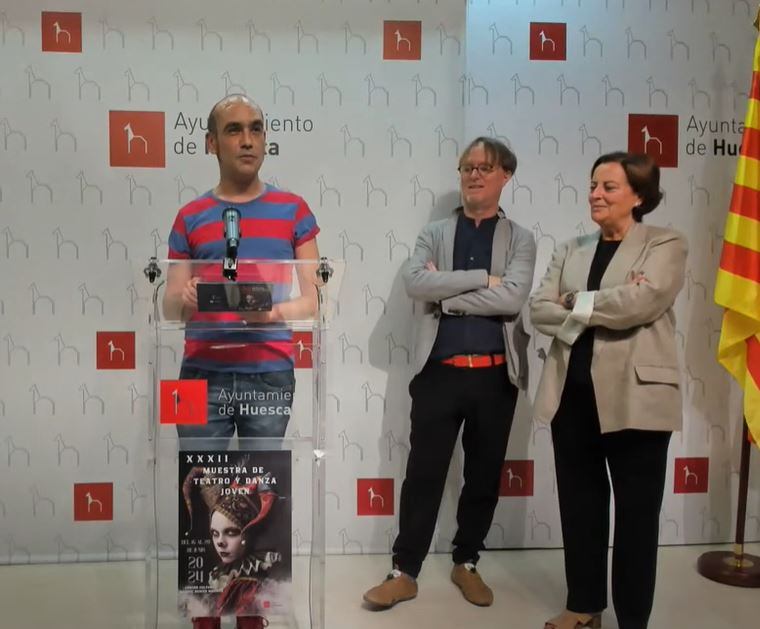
(469, 360)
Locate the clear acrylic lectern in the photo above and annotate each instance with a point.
(237, 439)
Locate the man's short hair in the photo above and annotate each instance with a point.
(230, 98)
(497, 152)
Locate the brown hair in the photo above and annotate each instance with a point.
(496, 151)
(643, 176)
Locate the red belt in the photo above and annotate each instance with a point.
(475, 360)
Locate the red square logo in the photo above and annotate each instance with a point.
(183, 402)
(61, 32)
(402, 40)
(656, 135)
(137, 138)
(93, 502)
(115, 350)
(374, 496)
(303, 348)
(548, 41)
(516, 478)
(691, 475)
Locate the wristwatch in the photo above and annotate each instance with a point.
(569, 300)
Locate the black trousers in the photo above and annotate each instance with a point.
(637, 461)
(443, 397)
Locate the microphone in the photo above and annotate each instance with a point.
(231, 218)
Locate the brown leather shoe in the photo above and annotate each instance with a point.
(396, 588)
(573, 620)
(472, 586)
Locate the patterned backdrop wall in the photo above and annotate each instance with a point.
(368, 104)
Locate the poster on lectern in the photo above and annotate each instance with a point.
(235, 554)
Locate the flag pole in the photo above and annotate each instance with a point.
(735, 567)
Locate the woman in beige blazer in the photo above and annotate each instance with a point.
(610, 388)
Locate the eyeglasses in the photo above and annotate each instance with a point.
(483, 169)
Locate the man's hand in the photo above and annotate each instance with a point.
(430, 266)
(190, 296)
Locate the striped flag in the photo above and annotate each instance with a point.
(737, 288)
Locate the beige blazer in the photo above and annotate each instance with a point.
(635, 365)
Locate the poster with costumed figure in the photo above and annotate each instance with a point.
(235, 555)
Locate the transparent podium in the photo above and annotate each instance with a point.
(237, 434)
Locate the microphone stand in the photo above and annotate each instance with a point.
(231, 219)
(229, 264)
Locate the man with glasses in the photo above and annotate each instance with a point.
(473, 272)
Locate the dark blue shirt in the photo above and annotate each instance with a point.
(470, 334)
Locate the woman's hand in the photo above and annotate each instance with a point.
(567, 300)
(638, 277)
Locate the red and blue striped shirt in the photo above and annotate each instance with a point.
(271, 226)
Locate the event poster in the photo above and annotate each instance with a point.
(235, 555)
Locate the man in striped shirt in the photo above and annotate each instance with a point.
(246, 358)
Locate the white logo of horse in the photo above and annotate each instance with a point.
(131, 135)
(373, 495)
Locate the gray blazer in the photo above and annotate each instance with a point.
(635, 364)
(466, 292)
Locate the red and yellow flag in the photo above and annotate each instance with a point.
(737, 288)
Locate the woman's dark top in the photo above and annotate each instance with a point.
(579, 366)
